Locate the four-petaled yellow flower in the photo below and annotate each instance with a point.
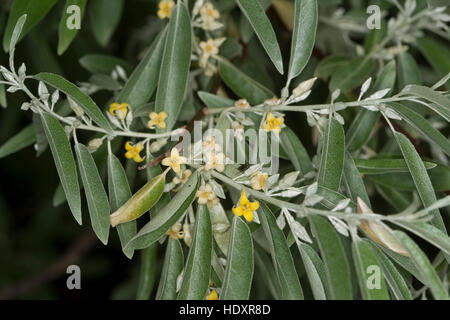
(120, 110)
(174, 161)
(208, 13)
(272, 123)
(213, 295)
(157, 119)
(133, 151)
(209, 48)
(259, 181)
(206, 195)
(246, 207)
(165, 8)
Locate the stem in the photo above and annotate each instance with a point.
(95, 128)
(338, 106)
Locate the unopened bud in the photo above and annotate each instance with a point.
(187, 234)
(75, 107)
(94, 144)
(303, 87)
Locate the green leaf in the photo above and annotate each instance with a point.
(35, 11)
(79, 97)
(105, 17)
(167, 216)
(336, 263)
(256, 15)
(381, 166)
(397, 285)
(119, 193)
(437, 53)
(142, 83)
(303, 36)
(240, 262)
(172, 267)
(176, 60)
(198, 265)
(368, 269)
(332, 157)
(242, 85)
(315, 271)
(103, 64)
(364, 123)
(423, 126)
(97, 199)
(21, 140)
(352, 74)
(69, 18)
(421, 179)
(354, 184)
(440, 104)
(64, 162)
(147, 274)
(330, 65)
(429, 233)
(407, 70)
(281, 256)
(140, 202)
(295, 151)
(214, 101)
(424, 266)
(264, 268)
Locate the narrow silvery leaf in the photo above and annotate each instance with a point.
(366, 262)
(332, 159)
(97, 199)
(172, 268)
(336, 262)
(64, 162)
(119, 193)
(303, 36)
(424, 266)
(365, 87)
(281, 256)
(240, 263)
(298, 231)
(80, 98)
(21, 140)
(342, 205)
(256, 15)
(198, 265)
(379, 94)
(176, 61)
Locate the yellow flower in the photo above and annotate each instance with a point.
(208, 12)
(174, 161)
(272, 123)
(133, 151)
(259, 180)
(184, 177)
(215, 161)
(175, 232)
(209, 48)
(242, 103)
(165, 8)
(246, 207)
(119, 110)
(157, 119)
(213, 295)
(206, 195)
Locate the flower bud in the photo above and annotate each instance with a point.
(94, 144)
(75, 107)
(303, 87)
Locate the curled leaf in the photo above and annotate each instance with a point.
(141, 201)
(378, 232)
